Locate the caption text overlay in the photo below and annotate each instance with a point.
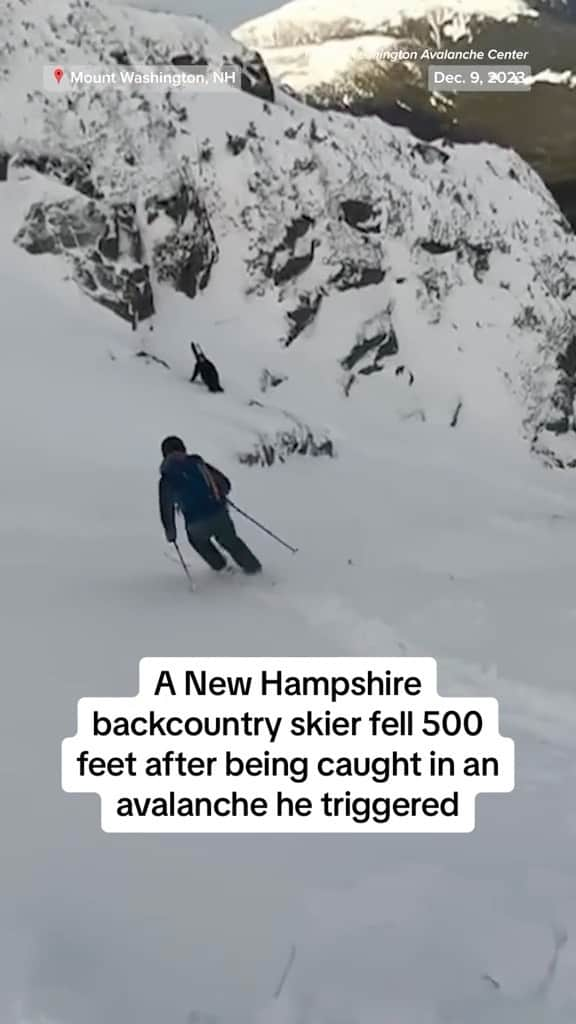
(328, 745)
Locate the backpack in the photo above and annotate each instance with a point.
(197, 491)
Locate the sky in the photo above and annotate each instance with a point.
(225, 14)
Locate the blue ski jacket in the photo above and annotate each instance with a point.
(191, 486)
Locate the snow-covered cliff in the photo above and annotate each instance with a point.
(431, 282)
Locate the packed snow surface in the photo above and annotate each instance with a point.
(433, 542)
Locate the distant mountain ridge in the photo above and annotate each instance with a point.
(335, 60)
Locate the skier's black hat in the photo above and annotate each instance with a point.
(172, 444)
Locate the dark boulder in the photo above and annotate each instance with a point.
(354, 275)
(185, 257)
(254, 76)
(303, 314)
(294, 266)
(379, 346)
(437, 248)
(176, 206)
(74, 173)
(361, 215)
(120, 55)
(283, 263)
(183, 60)
(295, 230)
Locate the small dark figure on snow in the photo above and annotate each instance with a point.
(199, 492)
(205, 370)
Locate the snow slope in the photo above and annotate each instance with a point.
(417, 536)
(461, 546)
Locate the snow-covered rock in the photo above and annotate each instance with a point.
(104, 246)
(436, 282)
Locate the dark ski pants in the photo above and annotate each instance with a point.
(220, 528)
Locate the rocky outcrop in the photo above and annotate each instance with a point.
(354, 274)
(60, 227)
(293, 254)
(103, 245)
(299, 440)
(361, 215)
(336, 232)
(477, 254)
(560, 416)
(375, 342)
(72, 171)
(304, 314)
(254, 76)
(187, 251)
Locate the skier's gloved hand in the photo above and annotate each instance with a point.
(171, 538)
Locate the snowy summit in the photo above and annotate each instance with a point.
(312, 21)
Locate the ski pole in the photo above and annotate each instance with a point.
(183, 564)
(264, 528)
(285, 973)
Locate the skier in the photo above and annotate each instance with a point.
(199, 492)
(205, 369)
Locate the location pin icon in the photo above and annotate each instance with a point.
(58, 74)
